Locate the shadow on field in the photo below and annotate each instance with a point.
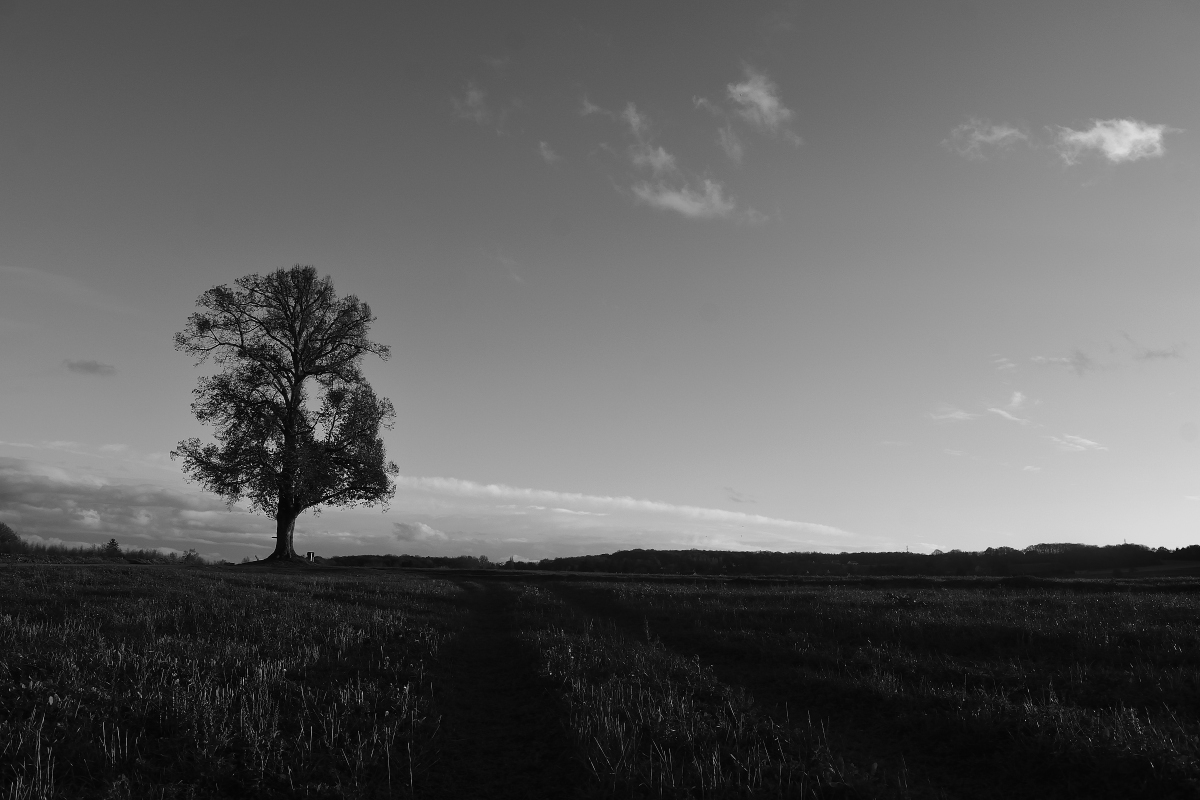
(940, 756)
(502, 733)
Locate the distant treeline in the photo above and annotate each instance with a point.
(1048, 560)
(1039, 559)
(14, 548)
(421, 562)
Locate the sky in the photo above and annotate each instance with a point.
(827, 276)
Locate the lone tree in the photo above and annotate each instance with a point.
(277, 446)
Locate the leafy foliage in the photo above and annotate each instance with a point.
(278, 447)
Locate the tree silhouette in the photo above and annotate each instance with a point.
(280, 448)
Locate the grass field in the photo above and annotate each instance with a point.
(191, 681)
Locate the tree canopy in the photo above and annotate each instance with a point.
(279, 445)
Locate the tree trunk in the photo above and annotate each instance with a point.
(285, 528)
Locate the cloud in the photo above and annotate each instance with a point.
(587, 108)
(1078, 362)
(1118, 140)
(638, 123)
(1030, 468)
(1003, 364)
(667, 187)
(709, 203)
(1142, 353)
(1148, 354)
(657, 159)
(970, 138)
(1000, 412)
(1075, 444)
(89, 367)
(544, 498)
(1018, 399)
(569, 511)
(53, 501)
(731, 144)
(417, 532)
(472, 106)
(643, 154)
(951, 413)
(738, 497)
(756, 100)
(548, 154)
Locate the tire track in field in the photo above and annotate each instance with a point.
(502, 730)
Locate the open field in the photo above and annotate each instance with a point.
(184, 681)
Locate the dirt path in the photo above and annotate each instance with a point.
(502, 732)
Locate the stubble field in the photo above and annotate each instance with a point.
(146, 681)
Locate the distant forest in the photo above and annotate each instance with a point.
(1045, 560)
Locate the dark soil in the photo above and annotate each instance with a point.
(503, 731)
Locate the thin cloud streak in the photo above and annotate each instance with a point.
(1076, 444)
(493, 491)
(972, 137)
(1078, 362)
(948, 413)
(1000, 412)
(709, 203)
(89, 367)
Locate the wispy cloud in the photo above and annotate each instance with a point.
(949, 413)
(1078, 361)
(732, 145)
(587, 108)
(1000, 412)
(1031, 468)
(643, 154)
(971, 138)
(417, 532)
(547, 153)
(665, 185)
(655, 158)
(472, 106)
(89, 367)
(738, 497)
(1117, 140)
(1142, 353)
(1003, 364)
(756, 100)
(1075, 444)
(638, 123)
(707, 203)
(1017, 400)
(563, 500)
